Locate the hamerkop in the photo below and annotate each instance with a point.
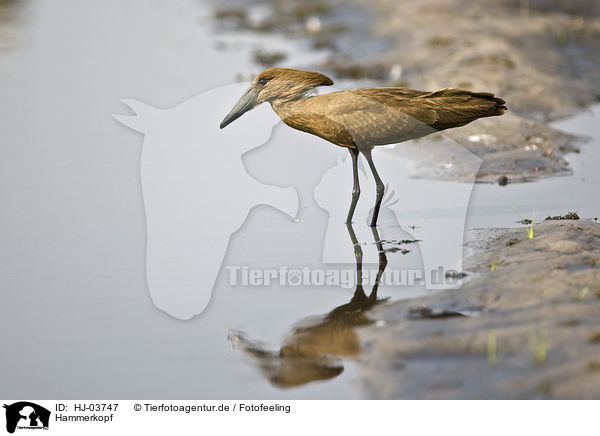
(360, 119)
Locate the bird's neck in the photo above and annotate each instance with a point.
(288, 108)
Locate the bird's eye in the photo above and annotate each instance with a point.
(263, 82)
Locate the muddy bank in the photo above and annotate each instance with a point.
(541, 56)
(512, 149)
(527, 325)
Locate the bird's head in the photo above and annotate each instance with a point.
(276, 85)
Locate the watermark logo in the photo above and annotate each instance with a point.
(24, 415)
(338, 277)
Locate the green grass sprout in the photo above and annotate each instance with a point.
(538, 344)
(528, 222)
(494, 263)
(581, 294)
(492, 356)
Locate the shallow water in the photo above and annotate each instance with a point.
(75, 312)
(494, 206)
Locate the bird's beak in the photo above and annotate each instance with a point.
(244, 104)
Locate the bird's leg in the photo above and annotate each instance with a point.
(359, 293)
(380, 187)
(382, 263)
(356, 185)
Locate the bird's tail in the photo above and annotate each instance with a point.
(457, 107)
(499, 105)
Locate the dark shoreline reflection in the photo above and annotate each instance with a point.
(313, 352)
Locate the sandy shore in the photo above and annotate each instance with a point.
(526, 326)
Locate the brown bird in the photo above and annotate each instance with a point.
(360, 119)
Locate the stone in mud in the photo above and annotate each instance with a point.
(424, 312)
(268, 58)
(567, 216)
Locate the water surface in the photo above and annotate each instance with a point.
(75, 312)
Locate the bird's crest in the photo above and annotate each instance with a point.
(288, 74)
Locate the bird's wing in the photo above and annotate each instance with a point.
(388, 93)
(378, 116)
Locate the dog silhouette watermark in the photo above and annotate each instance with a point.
(26, 415)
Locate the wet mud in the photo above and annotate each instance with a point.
(525, 326)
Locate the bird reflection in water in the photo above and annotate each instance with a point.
(313, 352)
